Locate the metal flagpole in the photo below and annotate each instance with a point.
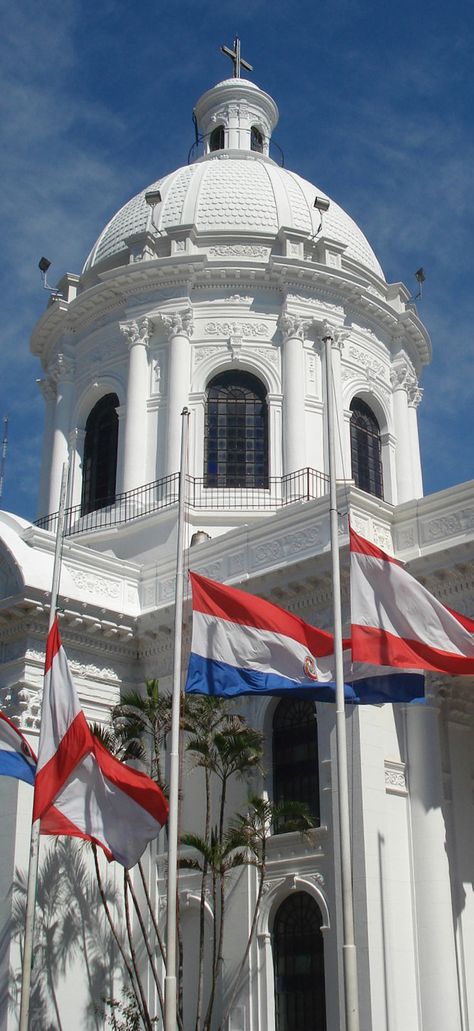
(348, 946)
(35, 826)
(171, 922)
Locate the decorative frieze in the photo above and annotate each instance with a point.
(239, 250)
(91, 583)
(236, 329)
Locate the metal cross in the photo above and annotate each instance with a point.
(236, 59)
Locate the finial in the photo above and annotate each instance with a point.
(236, 59)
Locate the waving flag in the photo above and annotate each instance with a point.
(396, 622)
(81, 790)
(244, 645)
(17, 759)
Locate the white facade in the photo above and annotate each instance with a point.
(233, 269)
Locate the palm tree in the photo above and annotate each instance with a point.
(255, 828)
(218, 855)
(144, 720)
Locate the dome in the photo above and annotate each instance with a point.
(234, 190)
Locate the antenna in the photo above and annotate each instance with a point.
(3, 453)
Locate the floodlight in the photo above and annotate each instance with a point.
(420, 275)
(152, 198)
(44, 265)
(321, 203)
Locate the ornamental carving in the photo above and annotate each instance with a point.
(239, 250)
(94, 584)
(180, 323)
(395, 778)
(236, 329)
(291, 326)
(206, 352)
(367, 361)
(138, 331)
(269, 354)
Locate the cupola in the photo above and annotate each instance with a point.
(235, 115)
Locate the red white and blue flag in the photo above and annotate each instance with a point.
(81, 790)
(396, 622)
(17, 758)
(244, 645)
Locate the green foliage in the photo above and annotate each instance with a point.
(124, 1015)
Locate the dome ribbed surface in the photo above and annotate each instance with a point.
(229, 194)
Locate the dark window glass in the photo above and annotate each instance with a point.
(256, 140)
(99, 467)
(236, 453)
(295, 755)
(216, 139)
(298, 959)
(366, 449)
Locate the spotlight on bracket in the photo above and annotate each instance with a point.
(44, 265)
(420, 276)
(321, 204)
(153, 198)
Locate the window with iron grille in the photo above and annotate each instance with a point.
(256, 140)
(99, 466)
(216, 139)
(366, 449)
(295, 755)
(298, 960)
(236, 443)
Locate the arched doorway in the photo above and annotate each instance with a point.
(298, 962)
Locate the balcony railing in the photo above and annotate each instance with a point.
(303, 485)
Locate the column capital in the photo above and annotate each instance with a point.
(292, 326)
(402, 375)
(48, 389)
(138, 331)
(179, 324)
(336, 334)
(61, 368)
(415, 394)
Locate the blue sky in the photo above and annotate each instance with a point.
(376, 108)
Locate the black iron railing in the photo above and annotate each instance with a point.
(303, 485)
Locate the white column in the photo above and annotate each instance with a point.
(180, 329)
(338, 336)
(48, 391)
(135, 443)
(293, 331)
(439, 998)
(62, 372)
(401, 377)
(415, 395)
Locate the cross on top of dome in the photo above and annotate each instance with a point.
(236, 59)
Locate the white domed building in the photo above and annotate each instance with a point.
(211, 291)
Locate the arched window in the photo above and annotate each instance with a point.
(236, 450)
(295, 755)
(366, 449)
(216, 139)
(99, 467)
(298, 961)
(256, 140)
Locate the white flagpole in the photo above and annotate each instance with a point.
(171, 922)
(35, 826)
(348, 946)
